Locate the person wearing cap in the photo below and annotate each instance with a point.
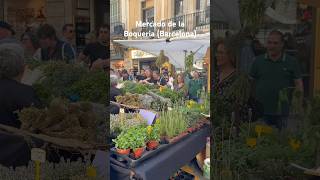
(7, 34)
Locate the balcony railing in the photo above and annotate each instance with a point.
(191, 22)
(117, 29)
(195, 21)
(115, 55)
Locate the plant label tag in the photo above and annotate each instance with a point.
(38, 154)
(169, 109)
(148, 115)
(121, 110)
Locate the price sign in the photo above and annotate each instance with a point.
(121, 110)
(38, 154)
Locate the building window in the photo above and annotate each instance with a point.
(114, 14)
(148, 16)
(178, 7)
(201, 5)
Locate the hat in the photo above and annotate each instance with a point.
(7, 26)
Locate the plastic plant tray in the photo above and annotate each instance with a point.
(130, 162)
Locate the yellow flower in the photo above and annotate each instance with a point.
(192, 102)
(149, 129)
(251, 142)
(158, 121)
(166, 64)
(295, 144)
(91, 171)
(258, 129)
(267, 129)
(161, 88)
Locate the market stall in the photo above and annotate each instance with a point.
(68, 129)
(163, 164)
(156, 127)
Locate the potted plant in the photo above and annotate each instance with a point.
(122, 144)
(173, 123)
(153, 136)
(137, 140)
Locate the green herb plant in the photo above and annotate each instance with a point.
(153, 132)
(174, 96)
(92, 87)
(121, 142)
(172, 122)
(137, 137)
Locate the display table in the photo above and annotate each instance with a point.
(14, 150)
(163, 165)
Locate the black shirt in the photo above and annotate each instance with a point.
(151, 80)
(113, 93)
(114, 109)
(15, 96)
(95, 51)
(161, 81)
(141, 77)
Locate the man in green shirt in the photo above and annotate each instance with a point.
(273, 73)
(195, 86)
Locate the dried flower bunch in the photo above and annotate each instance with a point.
(62, 119)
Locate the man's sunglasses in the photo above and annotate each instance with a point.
(105, 32)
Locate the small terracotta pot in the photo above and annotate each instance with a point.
(138, 152)
(123, 151)
(190, 129)
(152, 144)
(177, 138)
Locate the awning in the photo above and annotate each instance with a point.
(174, 50)
(284, 12)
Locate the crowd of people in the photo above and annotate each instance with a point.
(190, 84)
(269, 74)
(43, 44)
(40, 44)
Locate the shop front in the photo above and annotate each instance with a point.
(142, 60)
(32, 13)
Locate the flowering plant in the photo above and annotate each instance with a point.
(153, 132)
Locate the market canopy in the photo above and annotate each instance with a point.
(174, 50)
(284, 12)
